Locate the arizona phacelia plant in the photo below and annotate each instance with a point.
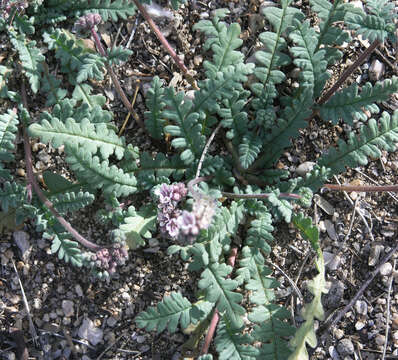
(200, 201)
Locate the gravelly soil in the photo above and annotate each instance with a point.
(357, 230)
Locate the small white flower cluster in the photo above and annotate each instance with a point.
(182, 224)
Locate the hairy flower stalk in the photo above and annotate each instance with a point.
(88, 23)
(180, 224)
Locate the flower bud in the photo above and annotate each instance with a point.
(87, 22)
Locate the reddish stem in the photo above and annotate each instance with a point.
(365, 188)
(32, 181)
(348, 72)
(229, 195)
(216, 316)
(115, 80)
(165, 43)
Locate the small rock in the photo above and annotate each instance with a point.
(78, 290)
(89, 332)
(44, 156)
(21, 238)
(144, 348)
(386, 269)
(321, 226)
(380, 339)
(394, 322)
(361, 307)
(359, 325)
(153, 242)
(140, 339)
(332, 261)
(158, 12)
(21, 172)
(8, 355)
(338, 333)
(50, 266)
(376, 70)
(126, 296)
(345, 347)
(331, 230)
(333, 353)
(374, 255)
(335, 295)
(394, 165)
(111, 321)
(325, 205)
(197, 60)
(109, 93)
(176, 356)
(358, 4)
(67, 307)
(395, 338)
(304, 168)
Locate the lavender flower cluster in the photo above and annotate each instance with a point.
(180, 224)
(107, 259)
(87, 22)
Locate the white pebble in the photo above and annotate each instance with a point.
(386, 269)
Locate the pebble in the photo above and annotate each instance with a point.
(333, 353)
(111, 321)
(361, 307)
(359, 325)
(176, 356)
(126, 296)
(304, 168)
(386, 269)
(50, 266)
(140, 339)
(332, 261)
(21, 238)
(345, 347)
(153, 242)
(44, 157)
(21, 172)
(335, 295)
(89, 332)
(78, 290)
(380, 339)
(374, 255)
(394, 322)
(67, 307)
(394, 336)
(376, 70)
(331, 230)
(325, 205)
(8, 355)
(338, 333)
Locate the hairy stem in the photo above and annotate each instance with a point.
(165, 43)
(229, 195)
(259, 196)
(348, 72)
(115, 80)
(32, 181)
(359, 188)
(216, 316)
(206, 148)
